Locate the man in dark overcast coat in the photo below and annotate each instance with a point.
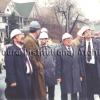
(69, 71)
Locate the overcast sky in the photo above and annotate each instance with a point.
(90, 8)
(22, 1)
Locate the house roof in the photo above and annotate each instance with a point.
(24, 9)
(3, 4)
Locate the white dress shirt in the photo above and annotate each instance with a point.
(92, 61)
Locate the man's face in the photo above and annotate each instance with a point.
(20, 38)
(87, 34)
(43, 41)
(67, 42)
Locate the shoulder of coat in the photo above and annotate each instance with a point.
(11, 47)
(28, 39)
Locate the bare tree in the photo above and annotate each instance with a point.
(67, 13)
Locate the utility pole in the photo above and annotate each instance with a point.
(7, 27)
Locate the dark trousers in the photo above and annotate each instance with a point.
(73, 96)
(51, 90)
(92, 80)
(83, 93)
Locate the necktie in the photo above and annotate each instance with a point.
(69, 51)
(89, 52)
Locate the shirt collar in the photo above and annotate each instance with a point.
(19, 46)
(89, 40)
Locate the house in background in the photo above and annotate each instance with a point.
(3, 24)
(3, 19)
(24, 12)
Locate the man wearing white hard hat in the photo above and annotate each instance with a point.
(17, 69)
(49, 61)
(43, 38)
(32, 46)
(82, 30)
(44, 30)
(90, 57)
(80, 37)
(68, 69)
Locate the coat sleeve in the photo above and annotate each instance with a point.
(81, 62)
(58, 65)
(9, 66)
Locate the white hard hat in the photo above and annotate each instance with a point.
(35, 24)
(82, 30)
(66, 36)
(15, 32)
(43, 35)
(44, 30)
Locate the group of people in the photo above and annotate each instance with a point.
(78, 67)
(34, 67)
